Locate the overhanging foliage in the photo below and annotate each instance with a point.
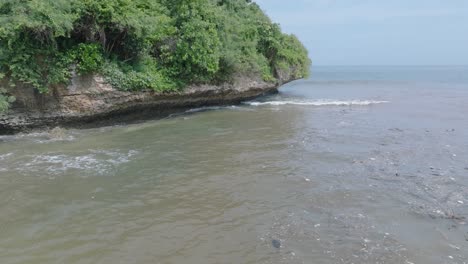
(143, 44)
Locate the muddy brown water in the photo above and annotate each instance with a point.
(355, 165)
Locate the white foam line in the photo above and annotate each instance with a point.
(318, 103)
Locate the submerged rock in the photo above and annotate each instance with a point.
(276, 243)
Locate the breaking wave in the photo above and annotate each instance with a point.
(317, 102)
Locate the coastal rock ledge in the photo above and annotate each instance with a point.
(89, 101)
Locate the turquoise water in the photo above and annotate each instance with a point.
(354, 165)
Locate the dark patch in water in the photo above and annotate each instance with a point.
(276, 243)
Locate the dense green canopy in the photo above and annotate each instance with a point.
(143, 44)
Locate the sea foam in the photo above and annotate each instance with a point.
(96, 162)
(317, 102)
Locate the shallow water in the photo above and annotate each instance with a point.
(355, 165)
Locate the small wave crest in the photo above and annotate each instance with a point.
(5, 156)
(96, 162)
(317, 102)
(209, 108)
(54, 135)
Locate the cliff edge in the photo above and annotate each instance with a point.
(90, 101)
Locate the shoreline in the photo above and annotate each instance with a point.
(90, 102)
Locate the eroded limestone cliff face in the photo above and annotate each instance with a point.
(90, 100)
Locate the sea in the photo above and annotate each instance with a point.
(356, 164)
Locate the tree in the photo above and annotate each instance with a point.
(143, 44)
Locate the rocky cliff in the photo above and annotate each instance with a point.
(90, 101)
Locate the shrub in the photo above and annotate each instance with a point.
(143, 44)
(140, 77)
(88, 58)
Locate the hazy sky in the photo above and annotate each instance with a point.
(377, 32)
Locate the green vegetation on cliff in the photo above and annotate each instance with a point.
(143, 44)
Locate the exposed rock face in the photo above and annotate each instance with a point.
(90, 100)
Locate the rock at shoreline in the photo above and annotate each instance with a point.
(92, 101)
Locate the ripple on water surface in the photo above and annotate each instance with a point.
(288, 178)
